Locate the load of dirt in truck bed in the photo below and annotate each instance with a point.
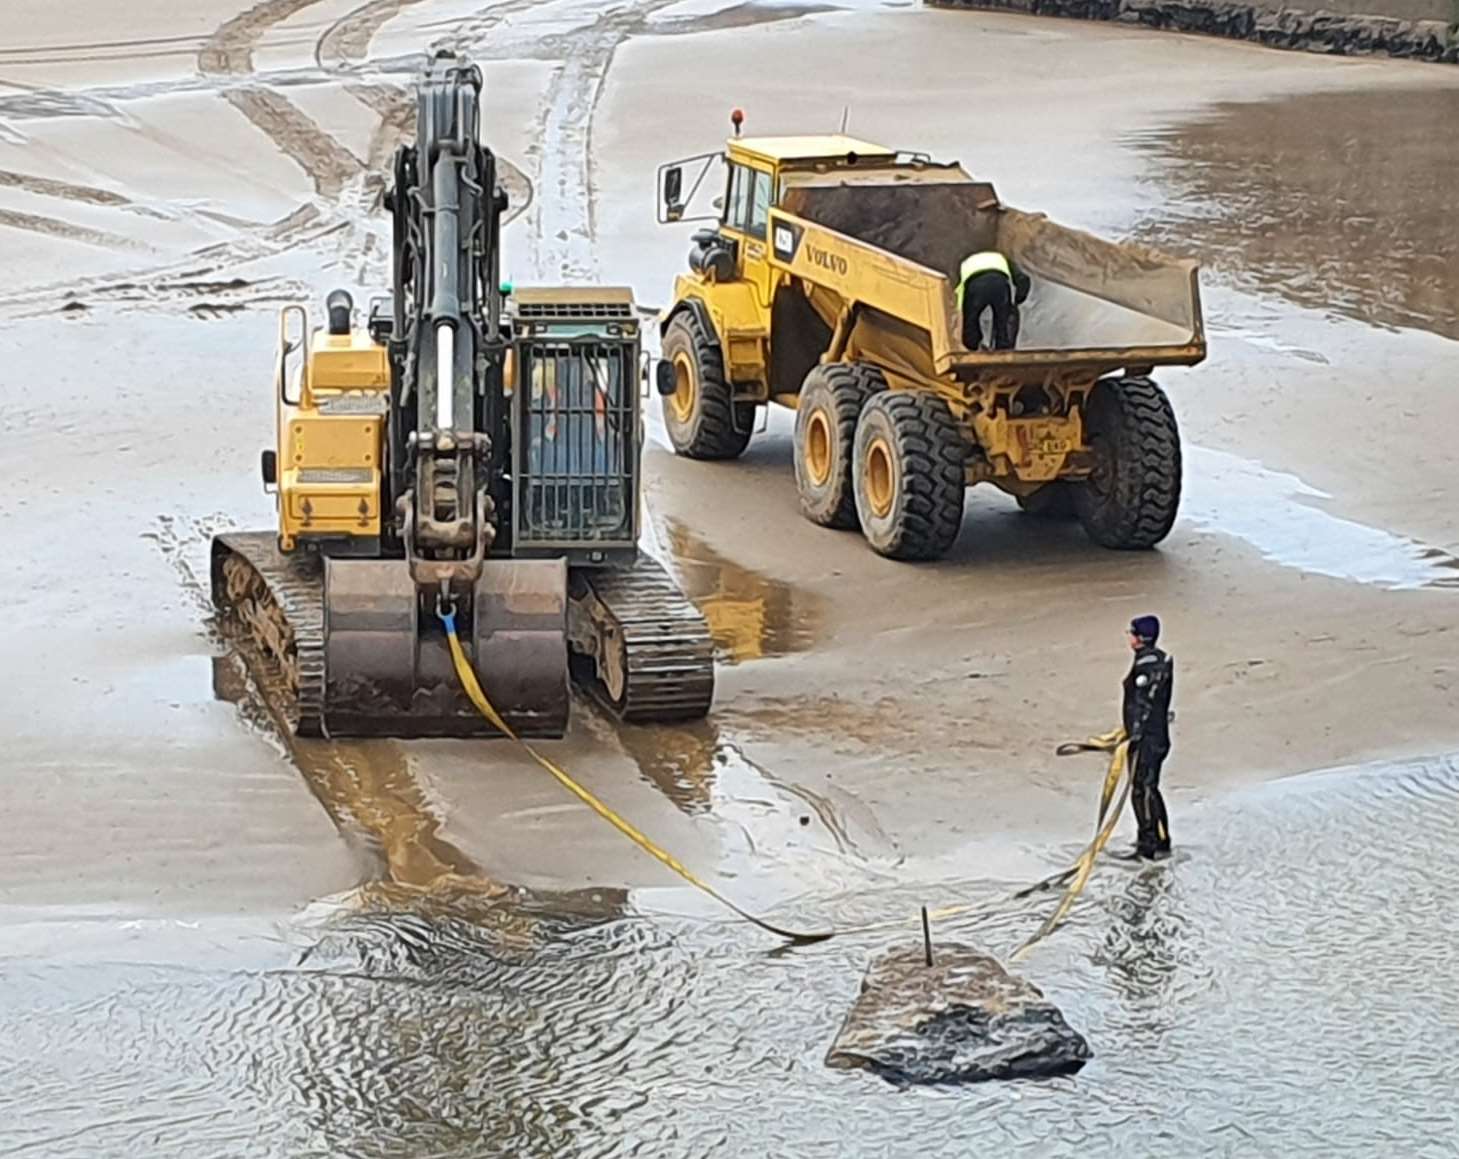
(933, 225)
(1087, 292)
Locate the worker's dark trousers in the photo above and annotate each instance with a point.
(990, 289)
(1150, 815)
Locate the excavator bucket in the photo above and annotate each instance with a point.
(345, 647)
(388, 669)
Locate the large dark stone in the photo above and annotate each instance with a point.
(963, 1019)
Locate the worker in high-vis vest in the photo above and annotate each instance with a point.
(989, 281)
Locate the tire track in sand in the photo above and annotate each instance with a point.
(224, 55)
(345, 45)
(348, 39)
(54, 227)
(563, 219)
(228, 52)
(63, 190)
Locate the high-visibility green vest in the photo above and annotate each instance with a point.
(981, 263)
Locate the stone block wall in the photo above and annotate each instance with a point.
(1420, 29)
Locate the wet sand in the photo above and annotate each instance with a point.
(166, 183)
(928, 696)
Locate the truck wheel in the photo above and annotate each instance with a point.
(703, 420)
(1130, 498)
(831, 399)
(1051, 501)
(908, 466)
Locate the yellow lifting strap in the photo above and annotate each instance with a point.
(1077, 875)
(467, 675)
(1117, 744)
(1114, 743)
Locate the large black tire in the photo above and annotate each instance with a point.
(908, 468)
(1130, 499)
(703, 420)
(831, 399)
(1052, 501)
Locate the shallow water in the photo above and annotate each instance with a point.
(1281, 988)
(1341, 201)
(1276, 513)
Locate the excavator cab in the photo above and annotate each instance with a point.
(575, 402)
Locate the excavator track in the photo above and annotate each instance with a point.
(656, 643)
(274, 605)
(654, 654)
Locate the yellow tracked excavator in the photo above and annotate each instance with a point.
(472, 449)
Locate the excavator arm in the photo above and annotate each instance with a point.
(447, 343)
(386, 660)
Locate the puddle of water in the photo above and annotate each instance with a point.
(679, 762)
(376, 800)
(750, 615)
(368, 790)
(1341, 201)
(1293, 959)
(420, 882)
(1272, 511)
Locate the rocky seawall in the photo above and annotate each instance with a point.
(1419, 29)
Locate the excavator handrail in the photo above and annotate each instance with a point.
(287, 346)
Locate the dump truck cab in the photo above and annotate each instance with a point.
(733, 280)
(830, 277)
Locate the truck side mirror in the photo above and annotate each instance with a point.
(673, 193)
(664, 379)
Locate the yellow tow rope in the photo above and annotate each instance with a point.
(467, 676)
(1076, 874)
(1117, 744)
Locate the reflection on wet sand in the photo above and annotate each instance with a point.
(368, 789)
(1339, 201)
(750, 616)
(1144, 948)
(373, 795)
(679, 761)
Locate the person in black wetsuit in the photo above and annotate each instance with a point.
(1148, 688)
